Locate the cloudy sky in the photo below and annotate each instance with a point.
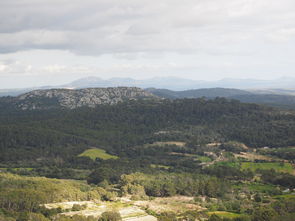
(50, 42)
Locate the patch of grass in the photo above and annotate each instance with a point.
(18, 169)
(204, 159)
(225, 214)
(287, 196)
(253, 156)
(159, 166)
(278, 167)
(257, 187)
(94, 153)
(228, 163)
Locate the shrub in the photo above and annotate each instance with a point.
(110, 216)
(78, 207)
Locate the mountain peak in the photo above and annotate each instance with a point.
(71, 99)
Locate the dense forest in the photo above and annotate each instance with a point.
(29, 135)
(232, 160)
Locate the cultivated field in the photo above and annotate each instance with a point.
(225, 214)
(277, 166)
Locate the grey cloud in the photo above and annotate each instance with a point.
(95, 27)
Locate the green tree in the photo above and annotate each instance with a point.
(214, 217)
(110, 216)
(264, 214)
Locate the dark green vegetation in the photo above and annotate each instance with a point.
(58, 136)
(188, 147)
(197, 93)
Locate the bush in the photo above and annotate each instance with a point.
(78, 207)
(214, 217)
(37, 217)
(110, 216)
(234, 146)
(167, 217)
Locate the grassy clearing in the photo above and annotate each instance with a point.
(167, 143)
(287, 196)
(256, 187)
(228, 163)
(278, 167)
(225, 214)
(253, 156)
(94, 153)
(159, 166)
(204, 159)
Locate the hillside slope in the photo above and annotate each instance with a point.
(205, 92)
(263, 97)
(90, 97)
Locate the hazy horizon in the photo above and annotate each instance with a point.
(58, 41)
(174, 82)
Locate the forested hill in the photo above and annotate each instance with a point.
(32, 135)
(66, 98)
(205, 92)
(267, 97)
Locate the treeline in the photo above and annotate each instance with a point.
(170, 184)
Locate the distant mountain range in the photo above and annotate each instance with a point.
(278, 86)
(173, 83)
(274, 93)
(204, 92)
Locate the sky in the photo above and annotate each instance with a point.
(51, 42)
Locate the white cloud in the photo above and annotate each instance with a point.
(113, 26)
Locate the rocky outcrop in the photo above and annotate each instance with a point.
(90, 97)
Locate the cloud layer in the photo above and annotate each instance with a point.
(95, 27)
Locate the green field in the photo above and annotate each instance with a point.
(204, 159)
(287, 196)
(278, 167)
(256, 187)
(228, 163)
(94, 153)
(225, 214)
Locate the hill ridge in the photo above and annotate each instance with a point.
(71, 99)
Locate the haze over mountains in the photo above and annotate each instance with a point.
(174, 83)
(92, 97)
(282, 85)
